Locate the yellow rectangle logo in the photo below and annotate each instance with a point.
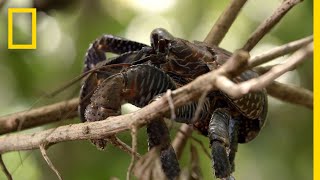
(33, 44)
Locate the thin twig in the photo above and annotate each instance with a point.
(134, 149)
(223, 24)
(171, 105)
(184, 131)
(149, 166)
(238, 90)
(114, 140)
(263, 69)
(199, 106)
(292, 94)
(195, 170)
(279, 51)
(269, 23)
(202, 146)
(181, 139)
(45, 156)
(4, 169)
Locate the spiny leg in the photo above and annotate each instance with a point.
(86, 91)
(149, 82)
(233, 134)
(108, 43)
(158, 136)
(219, 140)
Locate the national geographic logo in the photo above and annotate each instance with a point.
(33, 44)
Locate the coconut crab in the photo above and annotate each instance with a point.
(142, 73)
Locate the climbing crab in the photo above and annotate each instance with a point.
(142, 73)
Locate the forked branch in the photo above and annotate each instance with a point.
(269, 23)
(223, 24)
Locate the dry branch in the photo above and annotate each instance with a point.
(279, 51)
(39, 116)
(149, 166)
(292, 94)
(223, 24)
(114, 140)
(269, 23)
(238, 90)
(134, 131)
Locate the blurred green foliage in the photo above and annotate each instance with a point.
(283, 150)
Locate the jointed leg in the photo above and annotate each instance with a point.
(233, 134)
(158, 136)
(108, 43)
(219, 140)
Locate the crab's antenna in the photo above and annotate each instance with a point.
(76, 79)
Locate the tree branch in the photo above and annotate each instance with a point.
(279, 51)
(223, 24)
(39, 116)
(264, 80)
(269, 23)
(290, 93)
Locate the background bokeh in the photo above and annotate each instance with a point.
(283, 150)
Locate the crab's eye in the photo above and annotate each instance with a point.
(162, 34)
(160, 40)
(154, 40)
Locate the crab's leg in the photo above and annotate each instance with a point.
(86, 91)
(219, 140)
(108, 43)
(158, 136)
(233, 134)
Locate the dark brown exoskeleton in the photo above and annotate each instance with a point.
(141, 74)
